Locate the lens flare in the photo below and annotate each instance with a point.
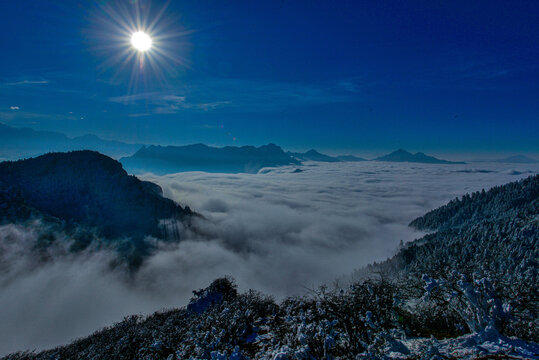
(144, 41)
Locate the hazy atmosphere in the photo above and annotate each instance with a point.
(269, 180)
(346, 76)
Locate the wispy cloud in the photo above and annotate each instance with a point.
(175, 98)
(349, 86)
(17, 114)
(131, 98)
(137, 115)
(27, 82)
(166, 103)
(267, 95)
(242, 95)
(477, 72)
(176, 107)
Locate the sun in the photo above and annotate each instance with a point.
(141, 41)
(146, 41)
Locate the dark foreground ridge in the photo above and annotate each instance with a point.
(86, 190)
(458, 293)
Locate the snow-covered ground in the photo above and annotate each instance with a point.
(480, 345)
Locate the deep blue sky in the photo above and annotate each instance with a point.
(340, 76)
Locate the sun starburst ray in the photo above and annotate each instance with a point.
(142, 35)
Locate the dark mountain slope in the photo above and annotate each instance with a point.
(200, 157)
(313, 155)
(88, 189)
(507, 200)
(405, 156)
(490, 235)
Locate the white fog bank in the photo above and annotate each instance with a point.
(279, 231)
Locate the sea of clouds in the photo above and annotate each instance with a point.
(282, 231)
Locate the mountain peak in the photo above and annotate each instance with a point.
(200, 157)
(76, 161)
(88, 189)
(313, 155)
(272, 146)
(402, 155)
(401, 151)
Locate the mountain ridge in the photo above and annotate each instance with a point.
(88, 190)
(490, 236)
(313, 155)
(518, 159)
(402, 155)
(201, 157)
(26, 142)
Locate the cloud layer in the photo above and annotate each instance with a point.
(278, 231)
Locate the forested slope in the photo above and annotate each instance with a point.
(519, 198)
(490, 235)
(88, 190)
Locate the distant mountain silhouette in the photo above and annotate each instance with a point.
(405, 156)
(18, 143)
(350, 158)
(200, 157)
(313, 155)
(88, 190)
(518, 159)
